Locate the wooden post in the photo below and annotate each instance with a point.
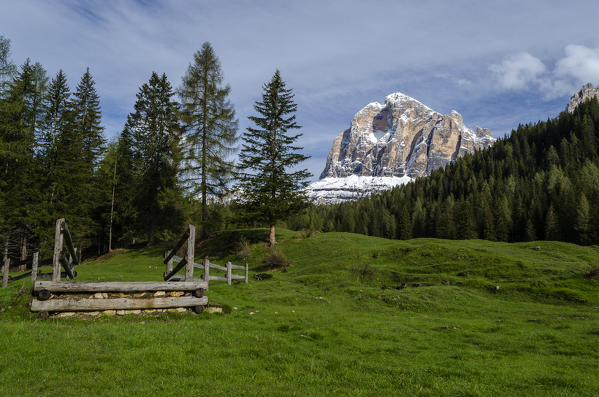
(191, 242)
(57, 250)
(34, 267)
(246, 273)
(206, 270)
(5, 272)
(229, 273)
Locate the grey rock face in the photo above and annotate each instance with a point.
(585, 93)
(401, 137)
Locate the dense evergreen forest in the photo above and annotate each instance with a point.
(170, 165)
(542, 182)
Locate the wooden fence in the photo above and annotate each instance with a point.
(65, 256)
(119, 297)
(207, 277)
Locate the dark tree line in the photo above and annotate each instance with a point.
(542, 182)
(170, 165)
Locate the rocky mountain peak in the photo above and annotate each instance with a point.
(587, 92)
(401, 137)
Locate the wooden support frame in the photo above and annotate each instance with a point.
(189, 237)
(59, 259)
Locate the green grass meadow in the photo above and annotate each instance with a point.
(474, 318)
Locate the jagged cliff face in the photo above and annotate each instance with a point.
(400, 138)
(585, 93)
(390, 144)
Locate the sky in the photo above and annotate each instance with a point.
(498, 63)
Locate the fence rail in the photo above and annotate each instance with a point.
(207, 277)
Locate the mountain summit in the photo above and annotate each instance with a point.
(585, 93)
(400, 139)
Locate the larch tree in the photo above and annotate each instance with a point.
(271, 185)
(210, 127)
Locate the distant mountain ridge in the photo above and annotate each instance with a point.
(588, 91)
(392, 143)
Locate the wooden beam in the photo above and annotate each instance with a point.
(175, 270)
(191, 241)
(177, 247)
(57, 250)
(223, 268)
(118, 286)
(61, 305)
(69, 241)
(206, 270)
(215, 278)
(237, 277)
(229, 273)
(237, 267)
(246, 273)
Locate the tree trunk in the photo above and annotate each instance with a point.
(112, 205)
(272, 241)
(23, 248)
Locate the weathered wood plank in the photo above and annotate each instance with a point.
(237, 277)
(175, 270)
(206, 270)
(246, 273)
(69, 243)
(223, 268)
(60, 305)
(229, 273)
(57, 250)
(191, 242)
(237, 267)
(215, 278)
(119, 286)
(177, 247)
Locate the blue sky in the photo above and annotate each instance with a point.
(498, 63)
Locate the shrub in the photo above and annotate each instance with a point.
(364, 271)
(307, 233)
(244, 249)
(276, 259)
(592, 272)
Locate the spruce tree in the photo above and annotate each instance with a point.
(271, 186)
(155, 137)
(210, 127)
(20, 109)
(88, 120)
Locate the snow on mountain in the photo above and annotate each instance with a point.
(392, 143)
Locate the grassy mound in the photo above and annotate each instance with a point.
(350, 315)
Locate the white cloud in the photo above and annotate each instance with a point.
(522, 71)
(580, 63)
(518, 71)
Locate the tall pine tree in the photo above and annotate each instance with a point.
(270, 184)
(154, 136)
(210, 127)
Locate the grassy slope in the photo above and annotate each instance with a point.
(327, 327)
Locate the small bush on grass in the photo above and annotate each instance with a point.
(244, 249)
(364, 271)
(276, 259)
(307, 233)
(592, 272)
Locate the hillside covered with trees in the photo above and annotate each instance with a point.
(542, 182)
